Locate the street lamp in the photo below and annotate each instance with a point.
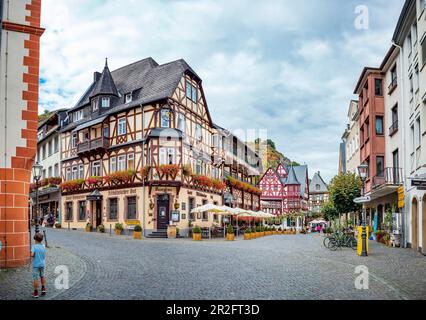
(37, 169)
(363, 174)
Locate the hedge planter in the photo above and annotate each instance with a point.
(117, 232)
(137, 235)
(196, 236)
(88, 228)
(247, 236)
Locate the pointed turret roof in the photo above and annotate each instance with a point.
(292, 178)
(105, 84)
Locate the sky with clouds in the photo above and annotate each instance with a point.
(286, 66)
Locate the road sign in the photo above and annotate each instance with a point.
(362, 200)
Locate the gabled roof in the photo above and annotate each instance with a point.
(317, 180)
(105, 84)
(145, 79)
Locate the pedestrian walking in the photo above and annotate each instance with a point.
(38, 253)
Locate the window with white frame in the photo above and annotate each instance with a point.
(79, 115)
(198, 132)
(191, 92)
(56, 141)
(96, 169)
(165, 118)
(112, 164)
(74, 173)
(121, 163)
(122, 126)
(167, 156)
(56, 173)
(128, 98)
(181, 122)
(131, 161)
(106, 102)
(74, 140)
(95, 105)
(81, 171)
(198, 167)
(69, 174)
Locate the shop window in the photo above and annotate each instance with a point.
(68, 211)
(131, 208)
(113, 209)
(81, 210)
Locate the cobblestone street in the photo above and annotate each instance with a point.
(276, 267)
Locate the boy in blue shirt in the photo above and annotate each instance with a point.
(38, 252)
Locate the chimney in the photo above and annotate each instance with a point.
(96, 76)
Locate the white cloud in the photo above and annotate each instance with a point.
(286, 66)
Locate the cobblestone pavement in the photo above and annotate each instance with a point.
(275, 267)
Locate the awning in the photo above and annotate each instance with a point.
(90, 123)
(94, 196)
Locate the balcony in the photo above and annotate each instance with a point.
(393, 128)
(387, 183)
(93, 146)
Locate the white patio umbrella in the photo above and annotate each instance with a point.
(208, 208)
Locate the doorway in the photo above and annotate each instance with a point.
(163, 211)
(98, 212)
(414, 226)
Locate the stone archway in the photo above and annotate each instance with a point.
(414, 226)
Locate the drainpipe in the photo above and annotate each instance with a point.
(404, 148)
(143, 164)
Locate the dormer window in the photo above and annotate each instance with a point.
(95, 105)
(128, 98)
(79, 115)
(105, 102)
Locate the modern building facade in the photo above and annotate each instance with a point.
(409, 37)
(318, 193)
(49, 156)
(19, 85)
(141, 148)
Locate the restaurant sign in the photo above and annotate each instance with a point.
(420, 184)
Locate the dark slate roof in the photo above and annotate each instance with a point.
(291, 178)
(152, 81)
(165, 133)
(105, 84)
(317, 180)
(302, 177)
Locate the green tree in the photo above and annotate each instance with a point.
(328, 211)
(344, 189)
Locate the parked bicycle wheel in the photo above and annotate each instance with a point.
(333, 245)
(352, 243)
(326, 241)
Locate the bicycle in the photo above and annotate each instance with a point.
(345, 240)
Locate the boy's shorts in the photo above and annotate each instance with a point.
(38, 273)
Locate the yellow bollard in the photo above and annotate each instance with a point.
(359, 248)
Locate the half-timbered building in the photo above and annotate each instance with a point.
(285, 190)
(141, 148)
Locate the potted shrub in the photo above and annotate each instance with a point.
(118, 228)
(101, 228)
(274, 231)
(247, 234)
(258, 231)
(230, 233)
(387, 239)
(196, 233)
(137, 232)
(89, 227)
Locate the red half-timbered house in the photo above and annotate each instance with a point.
(285, 190)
